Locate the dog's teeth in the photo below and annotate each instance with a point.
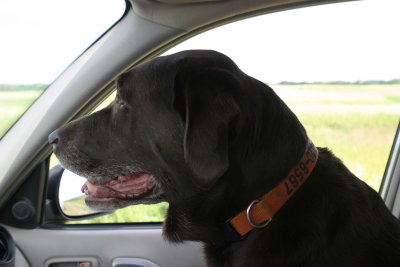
(86, 192)
(91, 187)
(113, 182)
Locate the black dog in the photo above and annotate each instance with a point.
(194, 130)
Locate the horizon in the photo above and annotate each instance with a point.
(360, 82)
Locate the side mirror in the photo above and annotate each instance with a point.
(70, 198)
(64, 197)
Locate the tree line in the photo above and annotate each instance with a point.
(23, 87)
(394, 81)
(39, 86)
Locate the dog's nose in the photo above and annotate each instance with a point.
(54, 138)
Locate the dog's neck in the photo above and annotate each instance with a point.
(260, 211)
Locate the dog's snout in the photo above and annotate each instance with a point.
(54, 138)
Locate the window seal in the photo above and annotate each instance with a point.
(390, 186)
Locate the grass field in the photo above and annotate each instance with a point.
(13, 104)
(357, 122)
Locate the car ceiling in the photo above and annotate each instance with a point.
(179, 14)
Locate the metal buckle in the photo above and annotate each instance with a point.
(261, 225)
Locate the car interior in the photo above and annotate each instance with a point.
(34, 230)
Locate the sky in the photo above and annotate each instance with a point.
(40, 38)
(348, 41)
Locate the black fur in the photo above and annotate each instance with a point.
(216, 139)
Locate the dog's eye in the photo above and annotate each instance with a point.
(122, 106)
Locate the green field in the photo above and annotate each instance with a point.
(357, 122)
(13, 104)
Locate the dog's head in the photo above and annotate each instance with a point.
(188, 128)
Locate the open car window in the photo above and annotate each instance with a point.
(340, 77)
(41, 40)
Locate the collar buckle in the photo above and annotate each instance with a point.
(249, 220)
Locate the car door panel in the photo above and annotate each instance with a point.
(43, 246)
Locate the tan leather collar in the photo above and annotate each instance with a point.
(261, 211)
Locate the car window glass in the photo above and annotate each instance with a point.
(40, 40)
(339, 76)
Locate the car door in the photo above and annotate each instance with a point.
(31, 210)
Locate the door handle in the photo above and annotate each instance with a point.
(72, 262)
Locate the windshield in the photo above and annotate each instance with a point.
(41, 39)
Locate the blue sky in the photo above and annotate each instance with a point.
(350, 41)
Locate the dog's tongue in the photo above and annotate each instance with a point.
(131, 185)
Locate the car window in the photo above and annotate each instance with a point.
(40, 41)
(334, 66)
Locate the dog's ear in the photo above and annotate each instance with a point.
(206, 103)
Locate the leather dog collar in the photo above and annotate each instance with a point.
(261, 211)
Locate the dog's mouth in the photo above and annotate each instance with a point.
(120, 191)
